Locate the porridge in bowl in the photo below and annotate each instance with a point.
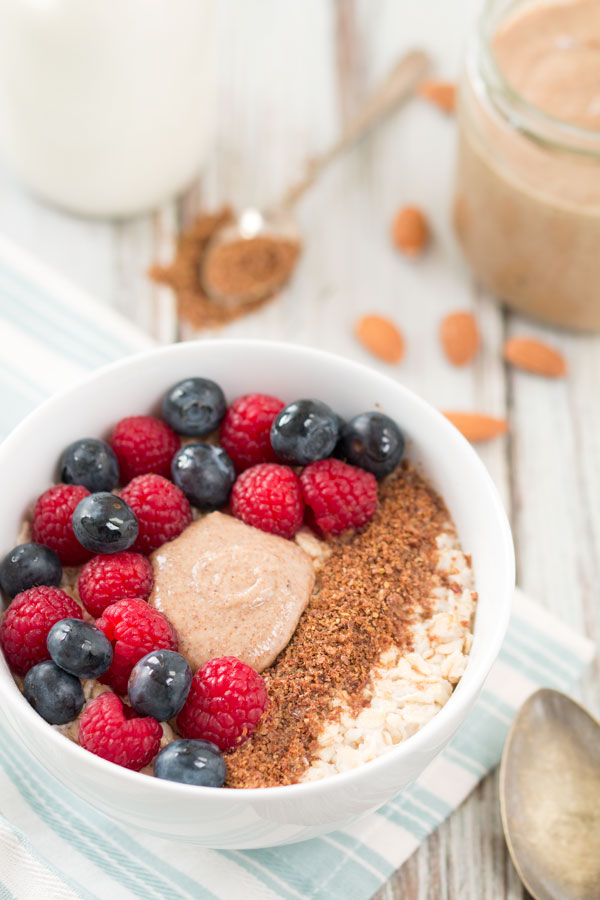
(247, 596)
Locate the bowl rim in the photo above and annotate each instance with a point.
(416, 742)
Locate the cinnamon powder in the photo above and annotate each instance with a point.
(234, 268)
(370, 590)
(242, 267)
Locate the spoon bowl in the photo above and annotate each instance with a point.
(279, 226)
(550, 798)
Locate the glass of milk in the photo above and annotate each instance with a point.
(106, 106)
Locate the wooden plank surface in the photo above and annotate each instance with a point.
(289, 75)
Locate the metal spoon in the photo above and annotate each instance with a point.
(550, 798)
(278, 221)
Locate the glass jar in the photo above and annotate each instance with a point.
(527, 196)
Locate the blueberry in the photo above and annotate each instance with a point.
(204, 473)
(337, 451)
(29, 565)
(53, 693)
(159, 684)
(79, 648)
(191, 762)
(104, 523)
(194, 406)
(90, 462)
(304, 431)
(374, 442)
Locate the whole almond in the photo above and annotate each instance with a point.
(410, 230)
(380, 337)
(441, 93)
(459, 335)
(477, 427)
(535, 356)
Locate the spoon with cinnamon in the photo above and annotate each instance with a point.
(254, 256)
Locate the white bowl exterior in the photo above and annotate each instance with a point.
(264, 817)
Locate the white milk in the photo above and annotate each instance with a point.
(106, 106)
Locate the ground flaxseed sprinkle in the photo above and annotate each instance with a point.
(374, 584)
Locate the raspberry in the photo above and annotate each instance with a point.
(106, 579)
(246, 430)
(27, 622)
(162, 511)
(340, 496)
(52, 522)
(134, 629)
(111, 730)
(225, 702)
(143, 444)
(268, 496)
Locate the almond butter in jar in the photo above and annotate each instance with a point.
(527, 197)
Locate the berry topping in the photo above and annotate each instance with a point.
(79, 648)
(226, 700)
(204, 473)
(340, 496)
(194, 406)
(134, 629)
(104, 523)
(29, 565)
(28, 620)
(143, 444)
(53, 693)
(162, 511)
(106, 579)
(52, 522)
(90, 462)
(159, 684)
(246, 430)
(374, 442)
(191, 762)
(304, 431)
(268, 496)
(110, 729)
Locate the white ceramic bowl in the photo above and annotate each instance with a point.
(261, 817)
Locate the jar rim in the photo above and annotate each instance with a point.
(524, 115)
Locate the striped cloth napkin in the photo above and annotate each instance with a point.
(54, 846)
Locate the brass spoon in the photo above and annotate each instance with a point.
(550, 798)
(278, 222)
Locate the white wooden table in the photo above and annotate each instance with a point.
(289, 74)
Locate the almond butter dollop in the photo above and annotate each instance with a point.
(231, 590)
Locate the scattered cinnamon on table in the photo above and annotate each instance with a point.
(231, 265)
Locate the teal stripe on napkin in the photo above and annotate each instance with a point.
(22, 843)
(89, 833)
(54, 328)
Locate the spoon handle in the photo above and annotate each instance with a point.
(395, 89)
